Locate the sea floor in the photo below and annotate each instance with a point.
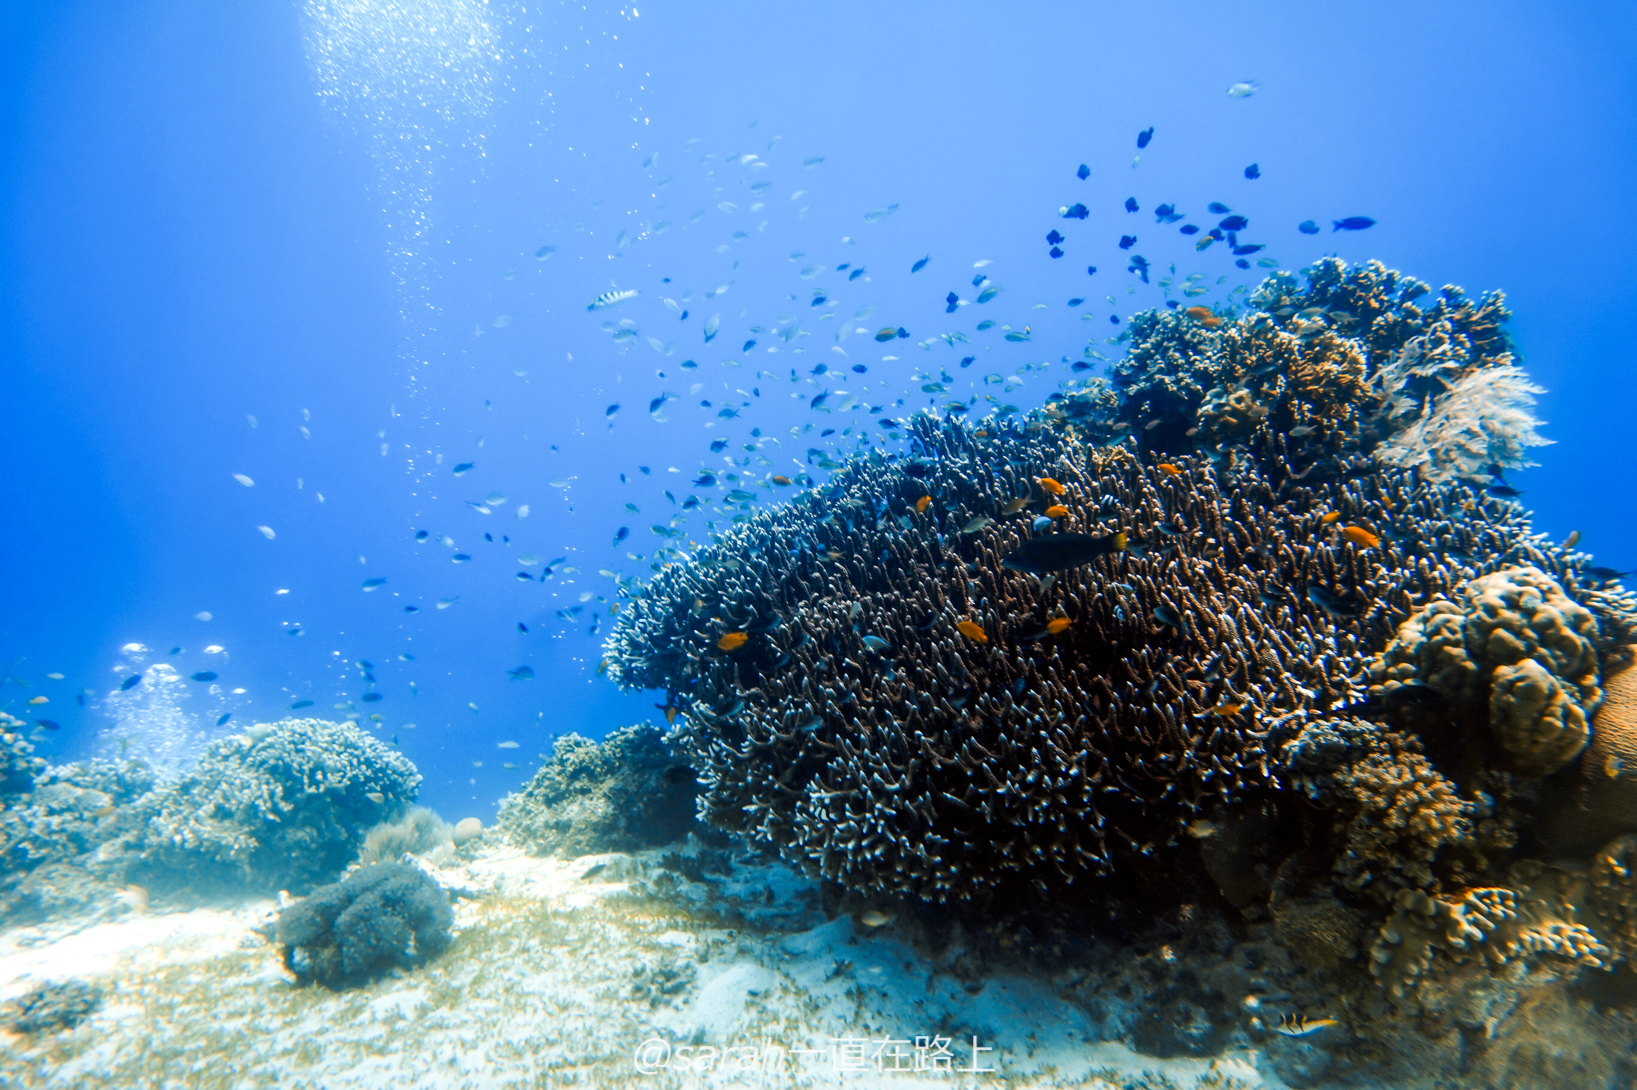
(653, 970)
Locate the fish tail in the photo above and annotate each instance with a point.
(1118, 541)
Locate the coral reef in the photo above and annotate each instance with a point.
(282, 808)
(419, 831)
(627, 792)
(18, 765)
(54, 1006)
(384, 916)
(1516, 643)
(1602, 802)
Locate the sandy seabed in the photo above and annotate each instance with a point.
(604, 971)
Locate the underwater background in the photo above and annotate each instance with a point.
(368, 362)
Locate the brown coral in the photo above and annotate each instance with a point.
(1613, 895)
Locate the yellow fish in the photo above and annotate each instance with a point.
(1296, 1025)
(1200, 829)
(1328, 517)
(923, 503)
(1358, 536)
(781, 479)
(1048, 485)
(1057, 624)
(732, 641)
(1199, 313)
(670, 712)
(1167, 467)
(973, 631)
(1015, 505)
(1057, 511)
(875, 918)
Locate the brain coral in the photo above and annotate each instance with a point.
(1516, 645)
(283, 808)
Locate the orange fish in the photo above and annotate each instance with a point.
(1167, 467)
(923, 503)
(732, 641)
(1199, 313)
(973, 631)
(1057, 511)
(779, 478)
(1358, 535)
(1328, 517)
(1049, 485)
(1211, 322)
(1057, 624)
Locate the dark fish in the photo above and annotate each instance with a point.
(921, 264)
(1059, 552)
(820, 369)
(621, 534)
(746, 347)
(1139, 265)
(223, 718)
(52, 724)
(1253, 171)
(298, 705)
(412, 609)
(1352, 223)
(1164, 614)
(1091, 270)
(612, 409)
(1079, 365)
(1340, 606)
(1241, 263)
(1248, 248)
(422, 535)
(718, 446)
(707, 480)
(463, 467)
(1217, 208)
(1164, 210)
(1083, 173)
(1188, 229)
(855, 274)
(1504, 491)
(130, 683)
(1131, 204)
(1608, 575)
(903, 334)
(1054, 238)
(370, 698)
(859, 368)
(1075, 302)
(818, 399)
(1127, 241)
(1495, 470)
(951, 302)
(1308, 227)
(522, 673)
(1144, 137)
(966, 361)
(1076, 212)
(655, 405)
(521, 627)
(844, 266)
(205, 675)
(1055, 251)
(524, 577)
(1234, 223)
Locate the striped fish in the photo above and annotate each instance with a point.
(1296, 1025)
(611, 298)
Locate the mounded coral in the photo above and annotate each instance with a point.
(1518, 643)
(385, 916)
(627, 792)
(286, 807)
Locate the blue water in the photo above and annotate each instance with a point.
(326, 217)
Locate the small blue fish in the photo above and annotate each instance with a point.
(371, 584)
(1242, 263)
(717, 447)
(1127, 241)
(1139, 265)
(1131, 204)
(1188, 229)
(130, 683)
(1075, 302)
(952, 301)
(1091, 270)
(1352, 223)
(1054, 238)
(748, 345)
(298, 705)
(223, 718)
(612, 409)
(1144, 137)
(859, 368)
(1056, 251)
(522, 673)
(1233, 223)
(1042, 522)
(921, 264)
(877, 644)
(370, 698)
(1248, 248)
(658, 403)
(818, 399)
(1079, 365)
(1083, 173)
(1253, 171)
(621, 534)
(1308, 227)
(1217, 208)
(1076, 212)
(464, 467)
(855, 274)
(421, 535)
(966, 361)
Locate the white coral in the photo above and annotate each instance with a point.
(1486, 418)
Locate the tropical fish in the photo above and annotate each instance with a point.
(711, 327)
(1057, 624)
(1358, 536)
(1328, 517)
(1076, 212)
(1243, 90)
(1047, 484)
(1127, 241)
(1308, 227)
(1253, 171)
(612, 298)
(1167, 467)
(1014, 505)
(1352, 223)
(781, 479)
(464, 467)
(130, 683)
(1343, 606)
(921, 264)
(1083, 173)
(1301, 431)
(1144, 137)
(1568, 543)
(1131, 204)
(732, 641)
(371, 698)
(242, 479)
(976, 524)
(298, 705)
(874, 917)
(223, 718)
(886, 334)
(1058, 552)
(877, 644)
(1296, 1025)
(1056, 511)
(1200, 829)
(923, 503)
(972, 631)
(205, 675)
(1233, 223)
(371, 584)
